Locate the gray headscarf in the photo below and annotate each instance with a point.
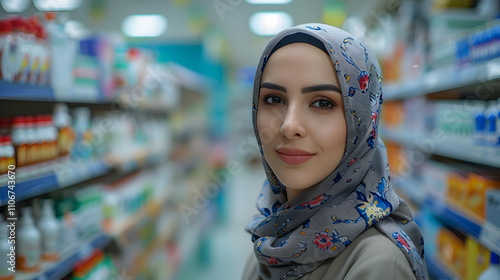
(292, 238)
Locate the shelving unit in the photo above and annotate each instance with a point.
(449, 149)
(46, 177)
(467, 79)
(441, 93)
(69, 257)
(454, 215)
(71, 174)
(25, 92)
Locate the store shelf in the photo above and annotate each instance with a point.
(447, 149)
(444, 79)
(475, 227)
(25, 92)
(64, 173)
(455, 216)
(69, 257)
(163, 236)
(439, 270)
(151, 208)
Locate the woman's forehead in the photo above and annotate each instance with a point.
(299, 62)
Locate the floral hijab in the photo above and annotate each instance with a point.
(292, 238)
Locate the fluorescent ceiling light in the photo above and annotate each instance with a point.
(144, 25)
(269, 1)
(15, 6)
(270, 23)
(57, 5)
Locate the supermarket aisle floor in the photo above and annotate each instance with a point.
(229, 244)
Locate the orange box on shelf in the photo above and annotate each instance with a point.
(451, 249)
(393, 115)
(457, 188)
(476, 192)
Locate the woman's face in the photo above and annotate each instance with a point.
(300, 118)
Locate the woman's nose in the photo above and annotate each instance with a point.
(293, 123)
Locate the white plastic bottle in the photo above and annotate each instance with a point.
(5, 31)
(5, 248)
(29, 244)
(50, 229)
(12, 56)
(493, 270)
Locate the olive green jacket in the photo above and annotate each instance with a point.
(371, 256)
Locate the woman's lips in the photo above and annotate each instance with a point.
(293, 156)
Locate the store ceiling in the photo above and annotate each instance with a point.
(222, 25)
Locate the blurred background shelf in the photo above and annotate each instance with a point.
(474, 78)
(25, 92)
(68, 259)
(439, 270)
(454, 216)
(64, 173)
(449, 149)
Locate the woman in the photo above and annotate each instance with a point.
(327, 209)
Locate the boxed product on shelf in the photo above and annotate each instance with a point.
(478, 259)
(123, 198)
(96, 265)
(478, 185)
(493, 207)
(452, 250)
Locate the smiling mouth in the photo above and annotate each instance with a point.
(293, 156)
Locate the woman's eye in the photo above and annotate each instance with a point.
(323, 104)
(273, 100)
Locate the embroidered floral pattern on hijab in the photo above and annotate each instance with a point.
(292, 238)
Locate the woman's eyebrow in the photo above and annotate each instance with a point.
(273, 86)
(326, 87)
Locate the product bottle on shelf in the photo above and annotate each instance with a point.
(32, 140)
(493, 270)
(7, 153)
(41, 136)
(46, 61)
(29, 244)
(66, 135)
(64, 49)
(21, 51)
(5, 30)
(82, 148)
(36, 47)
(20, 140)
(5, 262)
(28, 46)
(12, 56)
(50, 229)
(47, 137)
(40, 71)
